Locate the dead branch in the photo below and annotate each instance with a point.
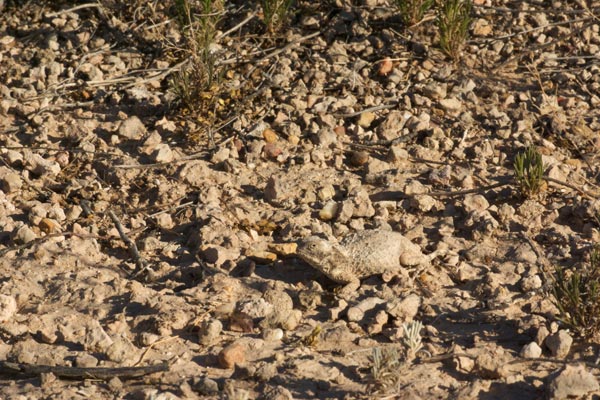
(7, 367)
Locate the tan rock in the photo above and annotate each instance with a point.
(283, 249)
(269, 135)
(231, 355)
(366, 119)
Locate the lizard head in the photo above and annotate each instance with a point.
(324, 256)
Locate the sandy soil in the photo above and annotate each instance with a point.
(346, 120)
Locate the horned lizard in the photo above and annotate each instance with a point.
(361, 255)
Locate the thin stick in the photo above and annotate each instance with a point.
(151, 346)
(162, 164)
(570, 186)
(238, 26)
(370, 109)
(281, 50)
(44, 238)
(156, 214)
(79, 7)
(81, 373)
(539, 28)
(467, 191)
(133, 250)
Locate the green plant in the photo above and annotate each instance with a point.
(577, 296)
(413, 11)
(197, 81)
(385, 370)
(529, 171)
(412, 337)
(388, 364)
(275, 13)
(453, 22)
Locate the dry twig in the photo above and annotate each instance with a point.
(133, 250)
(7, 367)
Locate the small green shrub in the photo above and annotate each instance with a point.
(385, 370)
(577, 296)
(275, 13)
(196, 83)
(413, 11)
(529, 171)
(388, 364)
(453, 22)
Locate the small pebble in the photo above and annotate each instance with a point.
(531, 350)
(559, 343)
(329, 210)
(209, 331)
(271, 335)
(231, 355)
(365, 119)
(261, 257)
(385, 67)
(11, 182)
(8, 307)
(358, 158)
(269, 135)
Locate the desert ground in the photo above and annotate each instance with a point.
(160, 162)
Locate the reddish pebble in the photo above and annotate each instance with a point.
(271, 150)
(385, 67)
(231, 355)
(339, 130)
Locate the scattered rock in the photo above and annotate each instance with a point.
(492, 364)
(391, 127)
(451, 105)
(475, 203)
(232, 355)
(132, 128)
(541, 335)
(261, 257)
(283, 249)
(357, 312)
(11, 182)
(329, 211)
(48, 226)
(406, 309)
(358, 158)
(269, 135)
(278, 393)
(531, 283)
(89, 101)
(531, 350)
(8, 307)
(205, 386)
(24, 235)
(365, 119)
(574, 381)
(385, 67)
(559, 343)
(210, 331)
(163, 153)
(86, 361)
(121, 350)
(272, 335)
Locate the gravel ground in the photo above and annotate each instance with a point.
(138, 229)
